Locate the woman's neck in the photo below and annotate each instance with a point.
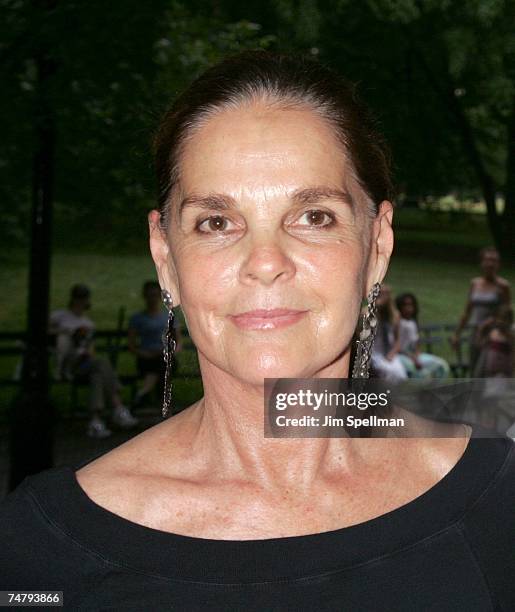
(489, 278)
(226, 436)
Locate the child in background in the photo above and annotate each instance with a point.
(417, 363)
(495, 340)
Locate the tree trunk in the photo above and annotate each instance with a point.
(502, 225)
(31, 430)
(508, 217)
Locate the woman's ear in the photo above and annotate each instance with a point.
(161, 254)
(381, 246)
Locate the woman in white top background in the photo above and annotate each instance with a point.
(417, 363)
(486, 293)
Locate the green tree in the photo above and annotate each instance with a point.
(440, 76)
(466, 51)
(101, 96)
(117, 67)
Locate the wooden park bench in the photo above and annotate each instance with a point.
(108, 342)
(434, 334)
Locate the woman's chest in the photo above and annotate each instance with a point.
(235, 514)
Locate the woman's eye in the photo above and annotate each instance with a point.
(215, 223)
(316, 218)
(218, 223)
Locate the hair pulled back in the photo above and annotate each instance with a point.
(285, 80)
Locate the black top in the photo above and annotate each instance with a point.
(450, 549)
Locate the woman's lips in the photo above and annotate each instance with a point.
(267, 319)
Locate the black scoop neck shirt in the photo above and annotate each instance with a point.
(450, 549)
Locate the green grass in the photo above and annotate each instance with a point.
(432, 232)
(114, 281)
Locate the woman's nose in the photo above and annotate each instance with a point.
(266, 262)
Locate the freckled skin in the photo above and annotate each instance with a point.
(269, 254)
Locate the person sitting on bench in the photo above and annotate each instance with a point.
(75, 359)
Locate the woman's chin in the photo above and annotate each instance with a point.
(255, 372)
(252, 364)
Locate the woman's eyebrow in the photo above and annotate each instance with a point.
(215, 201)
(300, 197)
(313, 195)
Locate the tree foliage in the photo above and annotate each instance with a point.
(440, 76)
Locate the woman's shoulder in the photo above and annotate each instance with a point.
(31, 498)
(503, 284)
(35, 552)
(130, 479)
(492, 463)
(488, 525)
(502, 281)
(26, 510)
(53, 526)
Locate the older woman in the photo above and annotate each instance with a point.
(274, 222)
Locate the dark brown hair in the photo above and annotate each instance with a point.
(285, 80)
(402, 297)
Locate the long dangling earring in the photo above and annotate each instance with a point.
(168, 351)
(366, 336)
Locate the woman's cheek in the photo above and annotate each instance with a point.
(205, 302)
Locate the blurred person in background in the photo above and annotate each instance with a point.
(385, 359)
(145, 340)
(495, 340)
(486, 293)
(76, 359)
(416, 363)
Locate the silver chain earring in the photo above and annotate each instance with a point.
(168, 352)
(366, 335)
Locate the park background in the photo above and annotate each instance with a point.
(84, 84)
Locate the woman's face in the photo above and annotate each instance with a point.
(490, 263)
(257, 173)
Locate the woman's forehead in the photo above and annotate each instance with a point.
(264, 152)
